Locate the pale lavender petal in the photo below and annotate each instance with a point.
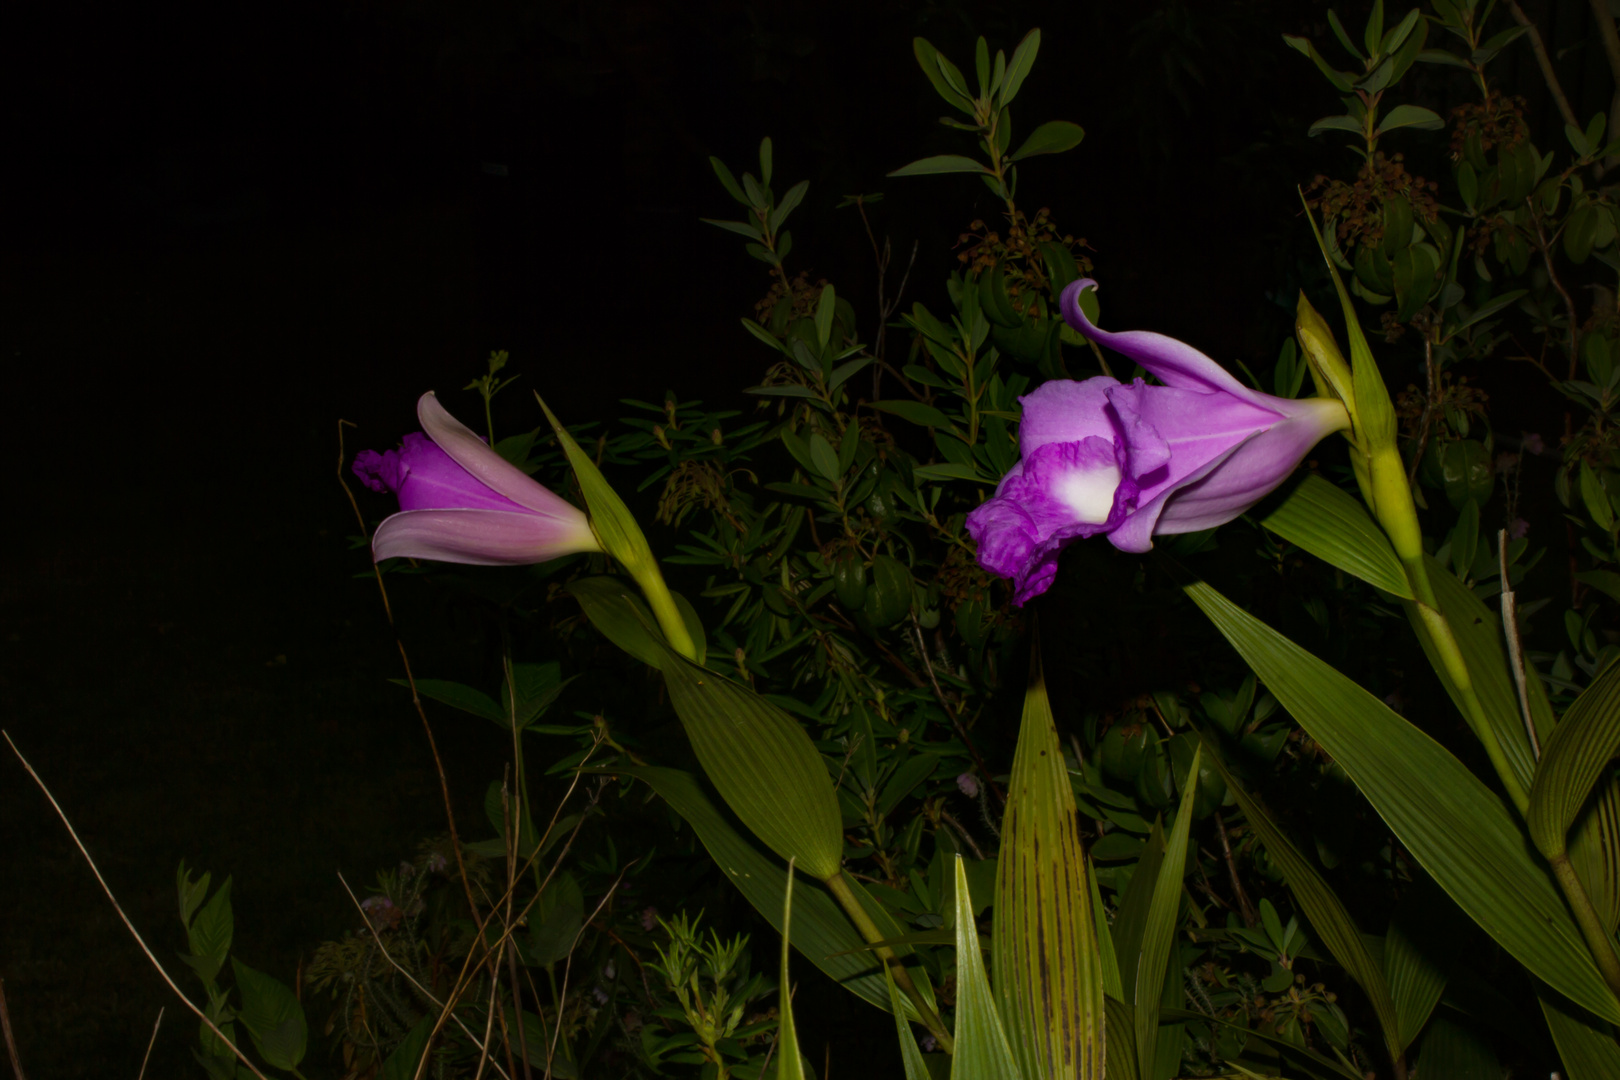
(426, 478)
(482, 537)
(470, 452)
(1172, 362)
(1192, 428)
(1064, 410)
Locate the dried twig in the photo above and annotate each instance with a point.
(1544, 62)
(153, 1042)
(5, 1029)
(1242, 897)
(252, 1068)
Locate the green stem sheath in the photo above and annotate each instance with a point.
(838, 884)
(1598, 938)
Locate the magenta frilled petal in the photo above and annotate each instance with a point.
(425, 478)
(483, 463)
(481, 537)
(1063, 411)
(1172, 362)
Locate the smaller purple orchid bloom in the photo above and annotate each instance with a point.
(462, 502)
(1135, 461)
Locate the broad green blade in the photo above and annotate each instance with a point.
(1130, 921)
(1456, 1052)
(1105, 939)
(1322, 906)
(1479, 636)
(910, 1053)
(1415, 980)
(982, 1052)
(821, 930)
(1262, 1032)
(1453, 825)
(1586, 1044)
(1333, 526)
(789, 1063)
(1572, 760)
(619, 615)
(762, 763)
(1594, 850)
(1158, 935)
(1049, 979)
(1121, 1039)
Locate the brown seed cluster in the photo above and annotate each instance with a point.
(1359, 207)
(1018, 254)
(1499, 123)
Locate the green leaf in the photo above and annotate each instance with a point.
(826, 308)
(982, 1050)
(1335, 123)
(788, 203)
(1122, 1039)
(821, 931)
(1451, 1050)
(1049, 974)
(1333, 526)
(271, 1013)
(824, 457)
(1573, 758)
(789, 1062)
(1052, 137)
(407, 1056)
(209, 935)
(1404, 116)
(916, 412)
(1586, 1044)
(763, 764)
(1489, 308)
(1340, 80)
(728, 181)
(554, 921)
(192, 893)
(928, 59)
(1105, 939)
(1018, 68)
(1454, 826)
(1130, 921)
(1416, 981)
(619, 615)
(911, 1055)
(458, 696)
(951, 472)
(1605, 581)
(741, 228)
(1479, 638)
(1158, 934)
(1321, 905)
(941, 163)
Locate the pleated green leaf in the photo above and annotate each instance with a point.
(1049, 979)
(1322, 906)
(1415, 980)
(982, 1051)
(821, 930)
(910, 1053)
(1333, 526)
(1322, 1061)
(789, 1063)
(1452, 824)
(1479, 637)
(1594, 851)
(1121, 1040)
(1105, 939)
(619, 615)
(1586, 1044)
(1573, 758)
(1455, 1052)
(1130, 921)
(761, 762)
(1158, 935)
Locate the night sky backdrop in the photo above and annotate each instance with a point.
(228, 226)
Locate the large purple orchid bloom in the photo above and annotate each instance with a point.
(1135, 461)
(462, 502)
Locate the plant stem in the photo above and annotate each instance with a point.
(1598, 938)
(838, 885)
(1544, 61)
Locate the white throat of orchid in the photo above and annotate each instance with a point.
(1089, 493)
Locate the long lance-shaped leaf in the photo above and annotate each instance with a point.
(1594, 849)
(1112, 985)
(982, 1050)
(1333, 526)
(1320, 903)
(1479, 639)
(1122, 1037)
(789, 1063)
(1586, 1044)
(1281, 1043)
(761, 762)
(1452, 824)
(1415, 980)
(1049, 980)
(1158, 936)
(1130, 921)
(820, 929)
(910, 1053)
(1576, 754)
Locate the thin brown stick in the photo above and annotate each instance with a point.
(11, 1043)
(150, 1043)
(417, 986)
(1510, 630)
(1429, 402)
(967, 838)
(1611, 49)
(1244, 904)
(568, 966)
(1544, 61)
(950, 714)
(1557, 283)
(252, 1068)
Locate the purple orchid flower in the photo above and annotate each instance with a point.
(462, 502)
(1135, 461)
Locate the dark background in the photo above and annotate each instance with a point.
(226, 228)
